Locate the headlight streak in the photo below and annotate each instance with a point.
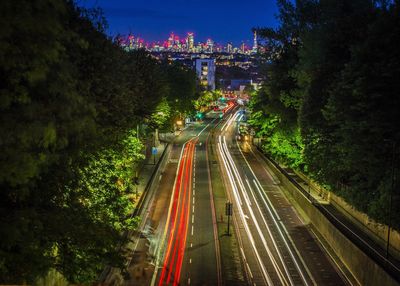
(242, 216)
(235, 171)
(279, 272)
(270, 234)
(274, 216)
(222, 128)
(229, 172)
(231, 119)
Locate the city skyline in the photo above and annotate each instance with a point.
(224, 21)
(150, 40)
(186, 43)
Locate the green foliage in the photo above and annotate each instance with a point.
(206, 99)
(329, 102)
(161, 114)
(69, 100)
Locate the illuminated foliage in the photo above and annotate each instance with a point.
(70, 99)
(206, 99)
(329, 105)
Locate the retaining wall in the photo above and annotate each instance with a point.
(363, 268)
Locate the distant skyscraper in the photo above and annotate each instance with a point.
(242, 48)
(255, 43)
(131, 41)
(171, 40)
(190, 39)
(210, 45)
(229, 48)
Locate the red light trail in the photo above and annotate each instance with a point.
(178, 226)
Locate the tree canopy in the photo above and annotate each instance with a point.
(70, 100)
(329, 104)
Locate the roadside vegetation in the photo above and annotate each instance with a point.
(330, 105)
(70, 103)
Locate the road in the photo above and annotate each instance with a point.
(180, 241)
(188, 249)
(276, 246)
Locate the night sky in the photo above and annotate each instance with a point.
(221, 20)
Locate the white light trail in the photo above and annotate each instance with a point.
(228, 167)
(274, 216)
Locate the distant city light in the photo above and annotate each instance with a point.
(186, 44)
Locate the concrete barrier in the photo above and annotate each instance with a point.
(362, 267)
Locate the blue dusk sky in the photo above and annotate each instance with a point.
(221, 20)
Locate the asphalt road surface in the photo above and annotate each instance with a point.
(276, 247)
(188, 253)
(180, 245)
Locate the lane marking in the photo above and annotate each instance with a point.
(164, 236)
(182, 188)
(231, 172)
(203, 129)
(272, 211)
(214, 219)
(186, 221)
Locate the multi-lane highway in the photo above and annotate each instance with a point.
(276, 246)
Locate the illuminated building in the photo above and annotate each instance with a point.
(205, 70)
(171, 41)
(190, 44)
(186, 44)
(255, 44)
(131, 40)
(229, 48)
(210, 46)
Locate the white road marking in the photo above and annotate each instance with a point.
(192, 229)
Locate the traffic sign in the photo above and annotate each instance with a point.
(153, 150)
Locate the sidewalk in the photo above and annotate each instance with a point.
(146, 172)
(148, 169)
